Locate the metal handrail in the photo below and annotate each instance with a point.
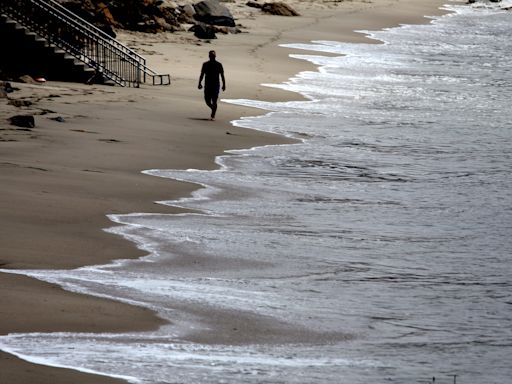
(82, 40)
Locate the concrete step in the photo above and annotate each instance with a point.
(61, 64)
(71, 68)
(35, 37)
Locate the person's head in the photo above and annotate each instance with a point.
(212, 55)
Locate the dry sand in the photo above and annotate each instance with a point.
(60, 179)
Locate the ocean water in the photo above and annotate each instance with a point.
(387, 230)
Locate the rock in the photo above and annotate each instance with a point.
(212, 12)
(234, 30)
(23, 121)
(186, 14)
(221, 29)
(27, 79)
(189, 10)
(95, 12)
(8, 88)
(160, 21)
(148, 26)
(137, 15)
(254, 4)
(20, 103)
(280, 9)
(3, 89)
(226, 30)
(168, 4)
(106, 15)
(203, 31)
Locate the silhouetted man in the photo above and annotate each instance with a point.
(211, 71)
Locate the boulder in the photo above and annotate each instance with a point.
(189, 10)
(27, 79)
(203, 31)
(23, 121)
(212, 12)
(280, 9)
(254, 4)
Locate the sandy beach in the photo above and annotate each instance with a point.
(83, 160)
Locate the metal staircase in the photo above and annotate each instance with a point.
(70, 34)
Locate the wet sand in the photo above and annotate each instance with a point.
(60, 179)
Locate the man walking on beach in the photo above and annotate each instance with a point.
(211, 71)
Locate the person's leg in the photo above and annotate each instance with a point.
(208, 99)
(214, 104)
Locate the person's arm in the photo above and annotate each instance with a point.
(200, 85)
(222, 77)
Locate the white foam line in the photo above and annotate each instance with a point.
(51, 363)
(184, 352)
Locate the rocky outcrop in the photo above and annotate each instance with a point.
(151, 15)
(136, 15)
(279, 8)
(97, 14)
(213, 13)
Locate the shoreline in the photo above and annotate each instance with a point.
(121, 186)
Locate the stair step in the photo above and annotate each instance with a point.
(34, 36)
(61, 55)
